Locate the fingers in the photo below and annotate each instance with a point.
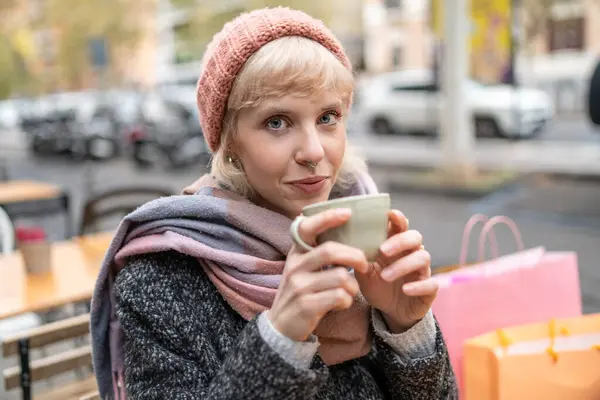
(322, 302)
(333, 253)
(313, 226)
(417, 261)
(401, 243)
(310, 282)
(398, 222)
(427, 287)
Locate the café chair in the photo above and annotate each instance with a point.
(7, 233)
(31, 371)
(117, 203)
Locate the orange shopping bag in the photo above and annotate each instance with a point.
(555, 360)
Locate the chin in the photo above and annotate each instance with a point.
(318, 199)
(294, 207)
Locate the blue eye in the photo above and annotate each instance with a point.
(329, 118)
(325, 119)
(276, 124)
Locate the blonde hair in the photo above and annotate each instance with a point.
(290, 64)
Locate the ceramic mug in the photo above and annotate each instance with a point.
(366, 229)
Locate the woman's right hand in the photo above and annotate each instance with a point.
(307, 292)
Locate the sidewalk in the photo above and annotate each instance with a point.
(12, 140)
(525, 157)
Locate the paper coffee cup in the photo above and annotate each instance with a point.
(36, 257)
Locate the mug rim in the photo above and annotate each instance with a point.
(345, 199)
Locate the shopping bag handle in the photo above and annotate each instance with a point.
(488, 230)
(474, 220)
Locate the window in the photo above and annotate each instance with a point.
(397, 57)
(393, 3)
(424, 87)
(566, 34)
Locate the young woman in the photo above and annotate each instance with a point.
(204, 295)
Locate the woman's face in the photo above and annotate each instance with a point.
(291, 149)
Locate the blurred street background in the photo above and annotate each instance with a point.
(97, 95)
(100, 94)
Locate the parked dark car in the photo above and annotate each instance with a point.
(52, 134)
(80, 125)
(167, 133)
(62, 134)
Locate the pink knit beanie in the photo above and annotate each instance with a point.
(229, 50)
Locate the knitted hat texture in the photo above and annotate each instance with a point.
(239, 39)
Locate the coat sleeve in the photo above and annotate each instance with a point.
(413, 365)
(176, 324)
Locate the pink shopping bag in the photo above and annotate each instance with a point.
(524, 287)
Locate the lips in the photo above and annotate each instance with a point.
(310, 180)
(310, 185)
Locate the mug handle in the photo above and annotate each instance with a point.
(296, 236)
(302, 244)
(474, 220)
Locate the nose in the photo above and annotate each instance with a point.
(311, 149)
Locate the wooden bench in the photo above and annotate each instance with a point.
(30, 371)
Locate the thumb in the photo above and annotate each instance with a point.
(398, 223)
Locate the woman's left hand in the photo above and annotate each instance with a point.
(399, 283)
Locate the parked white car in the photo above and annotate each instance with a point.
(408, 101)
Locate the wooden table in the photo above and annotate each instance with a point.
(31, 198)
(75, 266)
(19, 191)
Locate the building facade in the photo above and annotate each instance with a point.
(173, 64)
(398, 36)
(559, 58)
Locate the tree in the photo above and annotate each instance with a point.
(73, 23)
(323, 10)
(208, 17)
(69, 25)
(14, 51)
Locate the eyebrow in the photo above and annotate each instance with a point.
(337, 104)
(281, 110)
(276, 110)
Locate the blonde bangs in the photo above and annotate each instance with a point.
(290, 65)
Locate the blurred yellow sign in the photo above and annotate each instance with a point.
(491, 37)
(22, 41)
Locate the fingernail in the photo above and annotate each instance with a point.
(407, 223)
(386, 248)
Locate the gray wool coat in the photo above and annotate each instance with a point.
(183, 341)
